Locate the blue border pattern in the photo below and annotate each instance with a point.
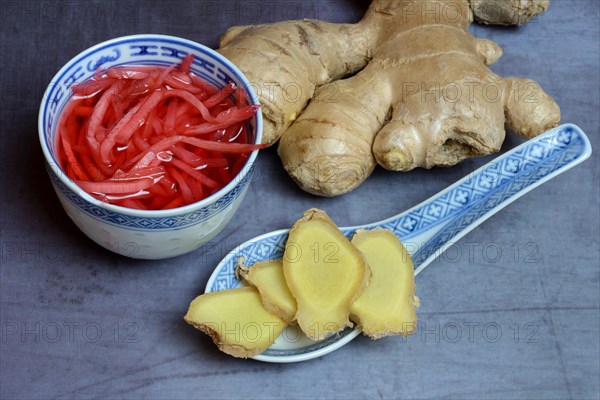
(502, 180)
(150, 223)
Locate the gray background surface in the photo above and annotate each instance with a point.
(532, 270)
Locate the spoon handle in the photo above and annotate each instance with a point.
(429, 228)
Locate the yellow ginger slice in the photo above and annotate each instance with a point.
(324, 272)
(267, 277)
(388, 305)
(236, 321)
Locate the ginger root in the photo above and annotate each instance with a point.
(287, 61)
(388, 305)
(507, 12)
(236, 321)
(324, 272)
(267, 277)
(405, 87)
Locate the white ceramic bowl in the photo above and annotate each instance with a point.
(139, 233)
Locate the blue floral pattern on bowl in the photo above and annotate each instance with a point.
(151, 223)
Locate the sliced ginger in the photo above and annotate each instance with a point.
(324, 272)
(321, 284)
(388, 305)
(267, 277)
(236, 321)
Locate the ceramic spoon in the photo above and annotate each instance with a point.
(429, 228)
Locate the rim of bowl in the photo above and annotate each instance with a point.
(151, 213)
